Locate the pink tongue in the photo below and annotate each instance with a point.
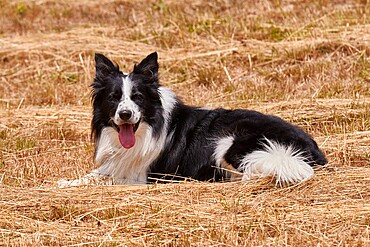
(126, 135)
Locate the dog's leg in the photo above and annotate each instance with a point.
(89, 179)
(228, 170)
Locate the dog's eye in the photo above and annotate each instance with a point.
(137, 97)
(114, 96)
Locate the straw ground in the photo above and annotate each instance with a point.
(307, 62)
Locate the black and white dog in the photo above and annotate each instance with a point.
(143, 131)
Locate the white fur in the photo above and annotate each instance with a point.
(128, 165)
(222, 146)
(284, 163)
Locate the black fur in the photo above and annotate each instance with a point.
(194, 128)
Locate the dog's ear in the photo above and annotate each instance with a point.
(148, 67)
(104, 66)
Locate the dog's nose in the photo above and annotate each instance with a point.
(125, 115)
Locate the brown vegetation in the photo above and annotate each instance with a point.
(306, 61)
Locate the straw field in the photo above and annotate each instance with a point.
(305, 61)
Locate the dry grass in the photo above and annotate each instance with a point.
(306, 61)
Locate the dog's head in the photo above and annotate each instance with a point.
(125, 100)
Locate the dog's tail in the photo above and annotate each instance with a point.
(285, 163)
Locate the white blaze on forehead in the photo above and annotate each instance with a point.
(126, 88)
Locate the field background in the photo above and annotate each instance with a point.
(305, 61)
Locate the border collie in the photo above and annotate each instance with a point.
(142, 131)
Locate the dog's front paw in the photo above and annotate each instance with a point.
(63, 183)
(89, 179)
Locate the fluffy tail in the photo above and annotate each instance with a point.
(284, 163)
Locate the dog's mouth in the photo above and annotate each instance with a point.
(126, 134)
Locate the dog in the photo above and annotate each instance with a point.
(144, 133)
